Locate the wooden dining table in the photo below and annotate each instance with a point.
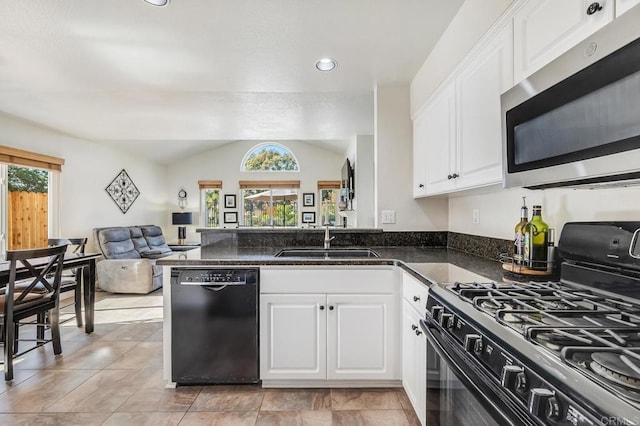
(86, 262)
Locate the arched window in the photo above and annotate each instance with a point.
(270, 157)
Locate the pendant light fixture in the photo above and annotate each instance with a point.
(159, 3)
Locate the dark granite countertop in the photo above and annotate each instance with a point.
(411, 258)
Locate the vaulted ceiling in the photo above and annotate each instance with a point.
(177, 80)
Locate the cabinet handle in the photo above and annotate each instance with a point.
(414, 327)
(331, 307)
(593, 8)
(418, 332)
(416, 298)
(322, 307)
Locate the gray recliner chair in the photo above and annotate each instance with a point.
(129, 258)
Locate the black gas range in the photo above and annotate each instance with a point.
(543, 353)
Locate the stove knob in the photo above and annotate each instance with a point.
(553, 411)
(470, 341)
(538, 400)
(522, 384)
(509, 374)
(478, 347)
(444, 319)
(452, 322)
(435, 312)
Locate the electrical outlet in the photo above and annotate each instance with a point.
(476, 216)
(388, 216)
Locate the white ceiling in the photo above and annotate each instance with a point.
(175, 81)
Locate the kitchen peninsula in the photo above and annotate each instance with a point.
(334, 322)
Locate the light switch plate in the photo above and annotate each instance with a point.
(388, 216)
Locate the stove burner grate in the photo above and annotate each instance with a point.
(618, 368)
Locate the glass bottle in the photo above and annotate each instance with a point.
(536, 239)
(518, 242)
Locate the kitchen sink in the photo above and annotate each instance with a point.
(332, 253)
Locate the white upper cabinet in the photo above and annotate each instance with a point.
(458, 133)
(624, 5)
(440, 140)
(479, 126)
(544, 29)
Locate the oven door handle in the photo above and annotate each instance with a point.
(430, 329)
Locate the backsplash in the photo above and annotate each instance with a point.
(486, 247)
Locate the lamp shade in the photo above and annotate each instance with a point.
(182, 218)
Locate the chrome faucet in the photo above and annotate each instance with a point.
(327, 238)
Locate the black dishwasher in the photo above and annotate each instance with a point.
(214, 325)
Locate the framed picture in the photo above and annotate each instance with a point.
(308, 199)
(231, 217)
(308, 217)
(230, 201)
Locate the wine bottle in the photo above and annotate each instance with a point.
(518, 242)
(536, 234)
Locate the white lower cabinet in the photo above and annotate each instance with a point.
(346, 335)
(293, 336)
(414, 360)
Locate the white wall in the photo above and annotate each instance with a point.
(223, 163)
(500, 209)
(89, 167)
(394, 165)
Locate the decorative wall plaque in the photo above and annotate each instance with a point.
(123, 191)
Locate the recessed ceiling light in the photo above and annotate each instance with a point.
(326, 64)
(158, 2)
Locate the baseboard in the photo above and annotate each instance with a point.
(332, 383)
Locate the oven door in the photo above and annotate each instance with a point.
(459, 392)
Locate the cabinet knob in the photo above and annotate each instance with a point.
(421, 185)
(449, 177)
(455, 175)
(593, 8)
(331, 307)
(418, 332)
(416, 298)
(414, 327)
(322, 307)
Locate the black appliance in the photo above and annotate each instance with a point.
(214, 325)
(543, 353)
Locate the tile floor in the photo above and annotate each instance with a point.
(114, 377)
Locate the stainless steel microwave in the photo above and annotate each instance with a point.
(577, 120)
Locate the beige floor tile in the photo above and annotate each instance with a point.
(279, 418)
(364, 399)
(144, 419)
(294, 400)
(212, 399)
(143, 355)
(384, 417)
(61, 419)
(161, 400)
(156, 337)
(42, 390)
(43, 357)
(220, 418)
(135, 331)
(104, 392)
(97, 355)
(19, 376)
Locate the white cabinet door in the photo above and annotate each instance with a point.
(362, 341)
(414, 361)
(420, 140)
(293, 336)
(479, 124)
(440, 130)
(544, 29)
(623, 6)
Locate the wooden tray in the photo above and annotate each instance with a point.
(523, 270)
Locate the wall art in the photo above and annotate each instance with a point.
(123, 191)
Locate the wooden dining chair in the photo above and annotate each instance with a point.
(33, 290)
(72, 280)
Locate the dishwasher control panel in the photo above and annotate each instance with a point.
(215, 275)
